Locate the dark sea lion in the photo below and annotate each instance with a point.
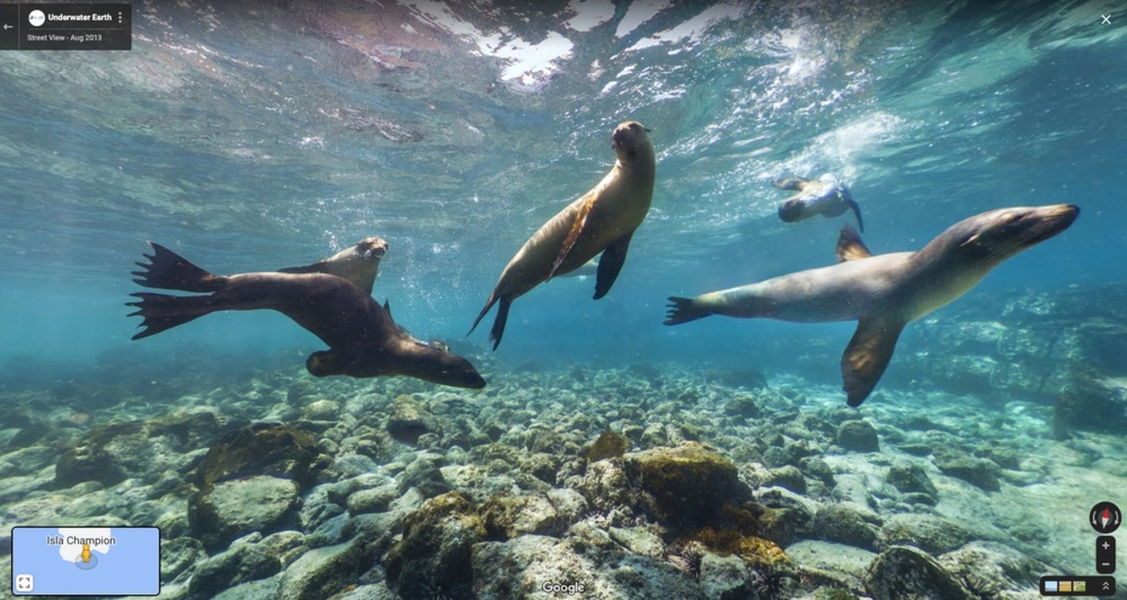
(602, 220)
(886, 291)
(363, 339)
(826, 196)
(358, 263)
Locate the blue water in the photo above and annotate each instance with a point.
(250, 137)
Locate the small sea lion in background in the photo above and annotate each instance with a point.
(886, 291)
(825, 195)
(358, 263)
(363, 339)
(586, 269)
(602, 220)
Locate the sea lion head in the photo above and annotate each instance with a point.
(631, 140)
(437, 364)
(795, 209)
(369, 248)
(322, 363)
(991, 237)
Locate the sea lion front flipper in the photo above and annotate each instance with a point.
(867, 356)
(850, 246)
(317, 267)
(573, 233)
(387, 306)
(790, 183)
(610, 264)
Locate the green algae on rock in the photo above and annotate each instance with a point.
(610, 444)
(434, 555)
(685, 485)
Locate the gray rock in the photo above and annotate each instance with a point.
(818, 469)
(906, 573)
(237, 507)
(928, 532)
(570, 505)
(179, 556)
(259, 589)
(322, 572)
(329, 532)
(286, 545)
(990, 569)
(847, 524)
(859, 436)
(981, 472)
(605, 485)
(435, 549)
(376, 499)
(543, 568)
(724, 576)
(407, 419)
(425, 475)
(910, 478)
(788, 477)
(639, 540)
(244, 561)
(321, 410)
(507, 517)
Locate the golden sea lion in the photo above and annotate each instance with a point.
(363, 339)
(358, 263)
(886, 291)
(602, 220)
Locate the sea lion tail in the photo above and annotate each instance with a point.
(498, 329)
(488, 305)
(162, 311)
(170, 271)
(682, 310)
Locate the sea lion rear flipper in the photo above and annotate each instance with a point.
(162, 311)
(610, 264)
(168, 270)
(790, 183)
(577, 225)
(498, 329)
(682, 310)
(850, 246)
(867, 356)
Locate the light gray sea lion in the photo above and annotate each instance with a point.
(363, 339)
(886, 291)
(358, 263)
(602, 220)
(825, 195)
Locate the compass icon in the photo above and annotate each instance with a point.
(1105, 517)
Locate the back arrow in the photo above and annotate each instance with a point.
(7, 27)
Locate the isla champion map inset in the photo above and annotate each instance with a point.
(85, 561)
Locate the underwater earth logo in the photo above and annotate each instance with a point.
(36, 18)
